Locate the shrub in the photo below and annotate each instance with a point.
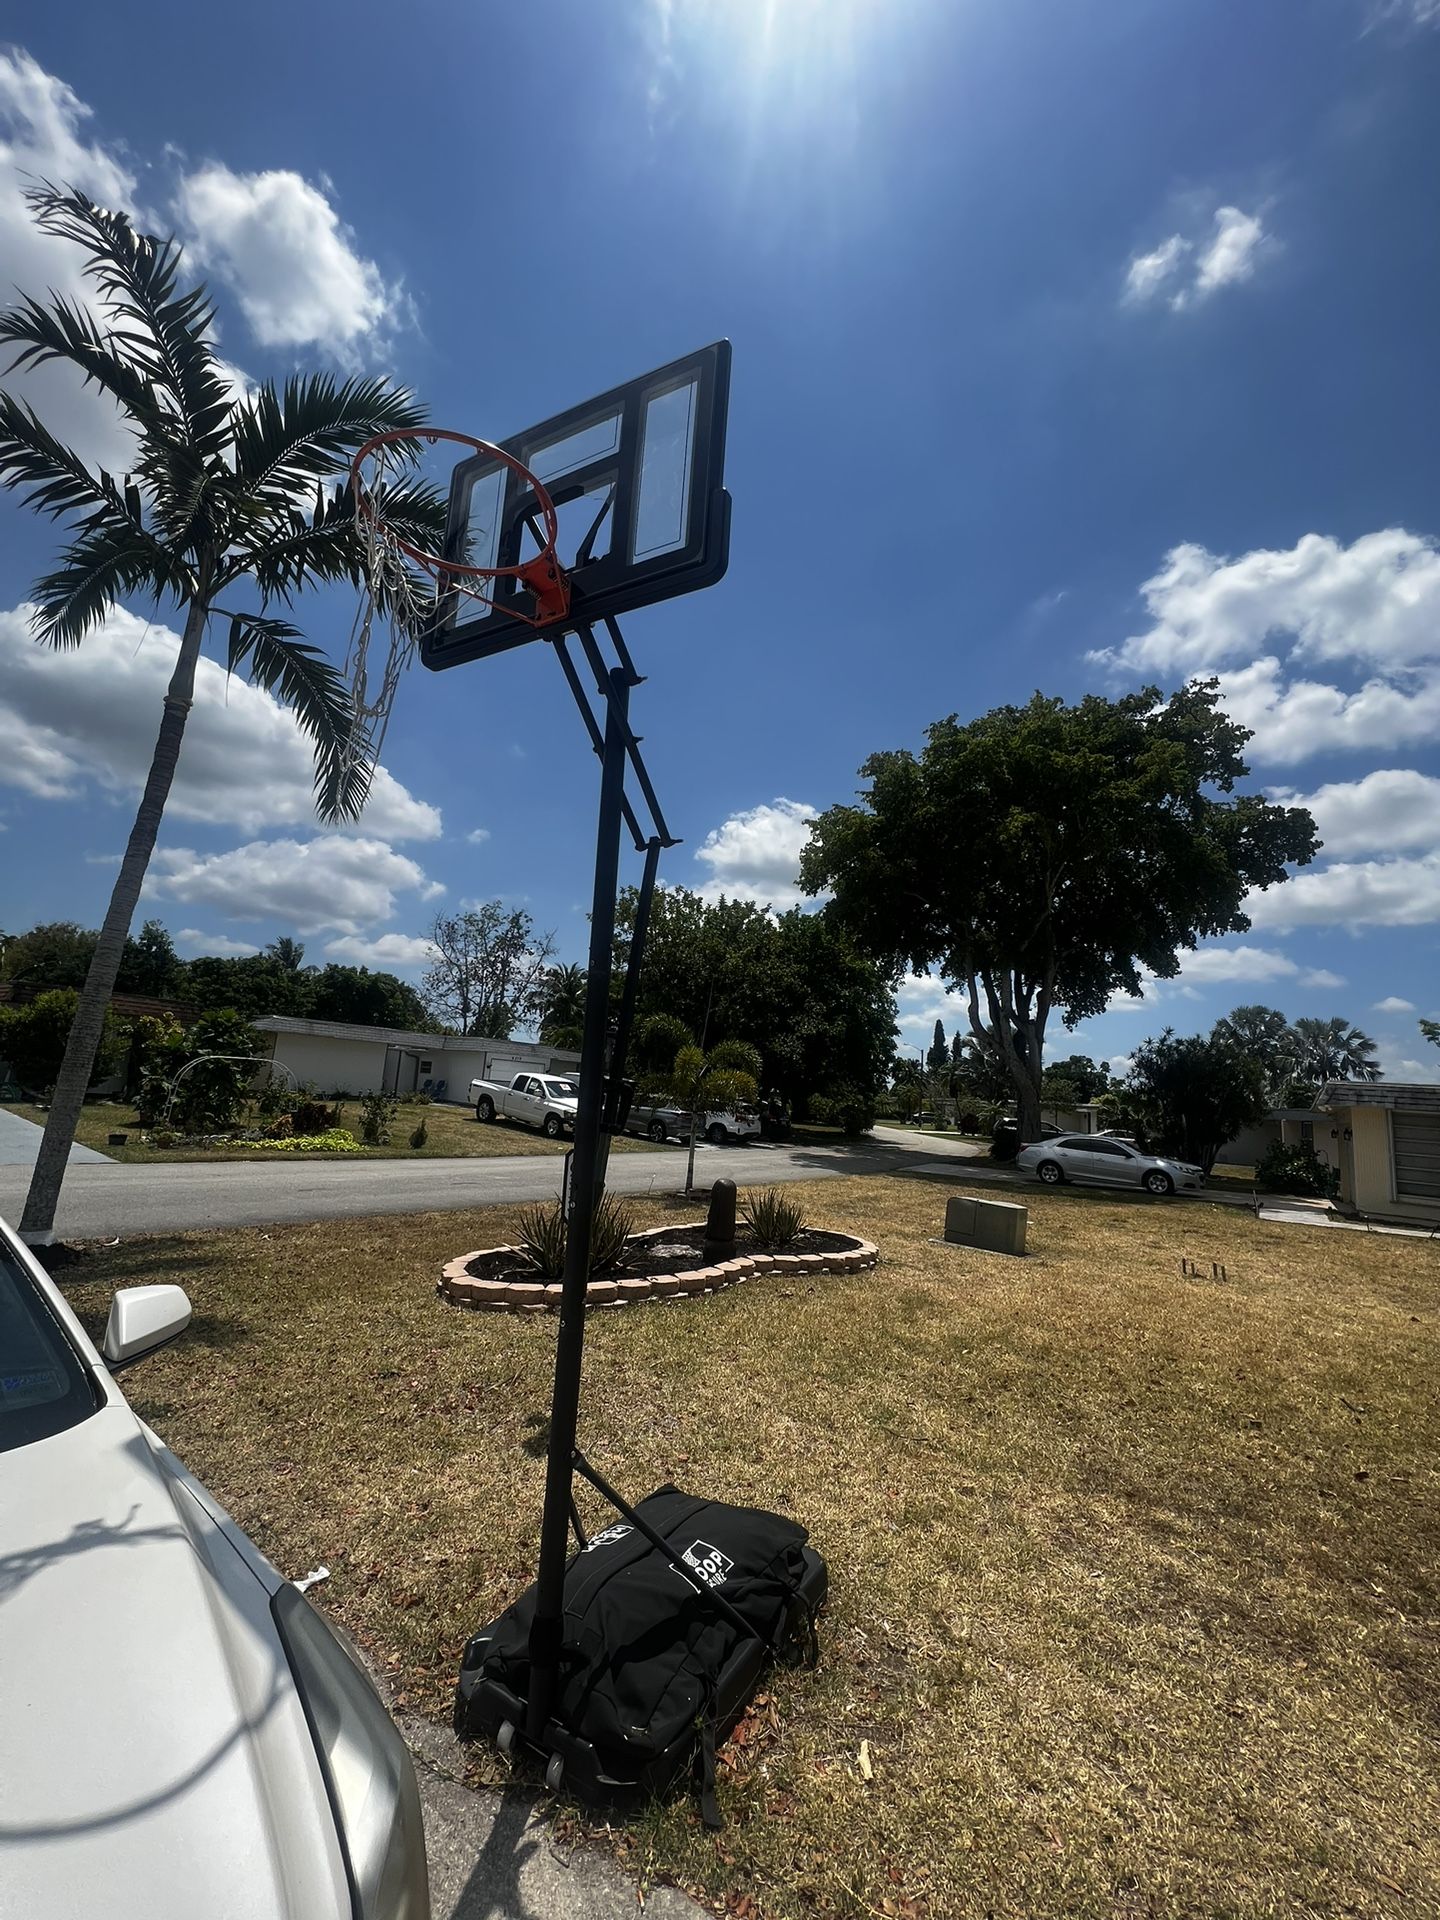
(542, 1237)
(820, 1110)
(33, 1037)
(969, 1122)
(1297, 1169)
(377, 1110)
(418, 1136)
(336, 1140)
(773, 1217)
(282, 1127)
(313, 1116)
(853, 1108)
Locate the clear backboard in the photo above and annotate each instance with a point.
(636, 476)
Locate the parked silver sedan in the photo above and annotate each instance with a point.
(1096, 1158)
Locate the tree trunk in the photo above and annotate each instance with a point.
(37, 1224)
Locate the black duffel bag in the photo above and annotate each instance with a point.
(653, 1675)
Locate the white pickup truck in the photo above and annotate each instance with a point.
(541, 1100)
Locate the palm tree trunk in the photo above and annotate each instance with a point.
(37, 1224)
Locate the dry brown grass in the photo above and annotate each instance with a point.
(1134, 1576)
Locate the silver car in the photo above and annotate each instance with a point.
(1097, 1158)
(183, 1734)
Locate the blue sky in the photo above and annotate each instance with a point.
(1073, 348)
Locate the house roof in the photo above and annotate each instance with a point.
(428, 1043)
(1402, 1096)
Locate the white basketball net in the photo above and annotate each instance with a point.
(393, 596)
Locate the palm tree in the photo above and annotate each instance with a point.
(214, 504)
(1334, 1050)
(286, 953)
(562, 1007)
(1267, 1037)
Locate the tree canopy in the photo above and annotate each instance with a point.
(794, 986)
(1191, 1095)
(490, 970)
(1045, 857)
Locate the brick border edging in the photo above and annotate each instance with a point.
(460, 1287)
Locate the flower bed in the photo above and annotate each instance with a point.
(665, 1263)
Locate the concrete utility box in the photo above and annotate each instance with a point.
(996, 1225)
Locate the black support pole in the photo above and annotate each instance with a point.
(547, 1629)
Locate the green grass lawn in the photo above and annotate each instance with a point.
(452, 1132)
(1134, 1575)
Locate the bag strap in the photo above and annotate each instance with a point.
(710, 1813)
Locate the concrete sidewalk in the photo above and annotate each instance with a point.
(20, 1142)
(493, 1855)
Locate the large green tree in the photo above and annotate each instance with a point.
(1045, 857)
(234, 504)
(796, 987)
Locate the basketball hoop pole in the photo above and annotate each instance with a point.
(547, 1629)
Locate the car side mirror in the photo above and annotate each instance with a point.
(143, 1319)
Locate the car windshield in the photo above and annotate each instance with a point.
(560, 1090)
(43, 1386)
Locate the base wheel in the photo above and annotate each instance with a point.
(555, 1772)
(505, 1738)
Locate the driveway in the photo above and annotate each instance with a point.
(99, 1202)
(20, 1142)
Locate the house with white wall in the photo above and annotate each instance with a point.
(338, 1058)
(1386, 1134)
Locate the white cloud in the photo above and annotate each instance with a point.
(70, 721)
(42, 138)
(1392, 810)
(334, 883)
(477, 836)
(1293, 720)
(1186, 269)
(195, 942)
(1373, 607)
(1377, 600)
(1321, 977)
(755, 854)
(1379, 893)
(1392, 1003)
(1230, 256)
(387, 951)
(1208, 964)
(279, 244)
(1149, 273)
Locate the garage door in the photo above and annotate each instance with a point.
(1417, 1156)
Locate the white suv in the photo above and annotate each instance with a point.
(183, 1734)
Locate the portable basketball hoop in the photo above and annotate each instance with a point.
(612, 505)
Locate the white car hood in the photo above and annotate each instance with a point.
(143, 1708)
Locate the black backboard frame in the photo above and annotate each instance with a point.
(463, 629)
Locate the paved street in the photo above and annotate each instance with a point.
(102, 1200)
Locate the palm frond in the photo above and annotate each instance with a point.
(286, 440)
(111, 557)
(286, 551)
(58, 330)
(58, 480)
(276, 659)
(168, 331)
